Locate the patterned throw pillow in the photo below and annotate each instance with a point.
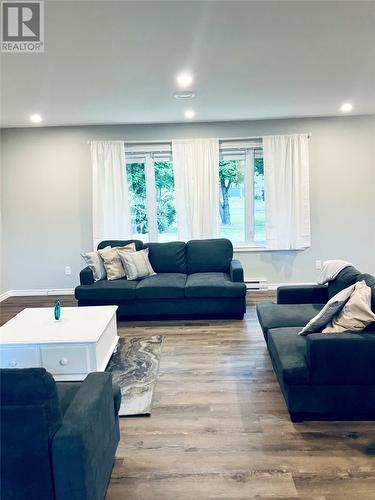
(356, 313)
(333, 306)
(112, 261)
(96, 264)
(136, 264)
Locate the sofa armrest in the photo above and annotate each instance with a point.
(80, 447)
(236, 271)
(302, 294)
(86, 276)
(341, 358)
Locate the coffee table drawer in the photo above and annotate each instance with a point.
(65, 359)
(19, 357)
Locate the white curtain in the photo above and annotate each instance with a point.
(111, 209)
(286, 190)
(196, 177)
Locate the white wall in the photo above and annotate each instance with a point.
(46, 196)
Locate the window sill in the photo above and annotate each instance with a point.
(249, 248)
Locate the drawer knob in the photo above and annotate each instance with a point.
(13, 363)
(63, 361)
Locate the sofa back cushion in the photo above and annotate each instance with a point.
(120, 243)
(167, 257)
(348, 276)
(205, 256)
(370, 281)
(29, 417)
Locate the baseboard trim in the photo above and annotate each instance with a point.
(36, 292)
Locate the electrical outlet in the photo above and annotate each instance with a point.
(68, 270)
(318, 264)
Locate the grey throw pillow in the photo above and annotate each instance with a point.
(136, 264)
(333, 306)
(96, 264)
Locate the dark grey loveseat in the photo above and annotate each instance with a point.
(58, 440)
(194, 279)
(321, 374)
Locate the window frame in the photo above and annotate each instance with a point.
(148, 154)
(246, 151)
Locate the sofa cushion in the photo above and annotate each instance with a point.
(288, 353)
(213, 285)
(285, 315)
(167, 257)
(104, 290)
(204, 256)
(31, 387)
(162, 286)
(345, 278)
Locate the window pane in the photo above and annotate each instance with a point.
(259, 215)
(165, 201)
(138, 203)
(232, 202)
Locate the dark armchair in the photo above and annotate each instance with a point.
(58, 440)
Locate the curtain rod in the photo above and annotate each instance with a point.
(162, 141)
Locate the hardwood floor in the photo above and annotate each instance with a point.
(220, 428)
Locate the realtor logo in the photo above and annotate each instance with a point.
(22, 26)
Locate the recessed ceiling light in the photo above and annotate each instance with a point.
(189, 114)
(184, 80)
(346, 107)
(35, 118)
(184, 94)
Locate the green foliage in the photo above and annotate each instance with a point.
(229, 173)
(164, 182)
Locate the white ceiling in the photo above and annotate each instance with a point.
(116, 61)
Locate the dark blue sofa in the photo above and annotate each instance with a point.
(320, 375)
(194, 279)
(58, 440)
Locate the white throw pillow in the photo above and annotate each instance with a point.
(333, 306)
(356, 313)
(96, 264)
(112, 261)
(136, 264)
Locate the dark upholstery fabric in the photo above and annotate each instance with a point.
(150, 309)
(120, 243)
(163, 295)
(162, 286)
(34, 387)
(86, 276)
(302, 294)
(213, 285)
(345, 278)
(81, 466)
(288, 350)
(236, 271)
(341, 359)
(205, 256)
(116, 290)
(285, 315)
(167, 257)
(30, 415)
(77, 468)
(66, 392)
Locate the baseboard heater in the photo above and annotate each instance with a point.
(256, 284)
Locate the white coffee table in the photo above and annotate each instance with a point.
(82, 341)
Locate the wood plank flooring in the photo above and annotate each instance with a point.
(219, 427)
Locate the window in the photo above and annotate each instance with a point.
(241, 187)
(152, 194)
(151, 191)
